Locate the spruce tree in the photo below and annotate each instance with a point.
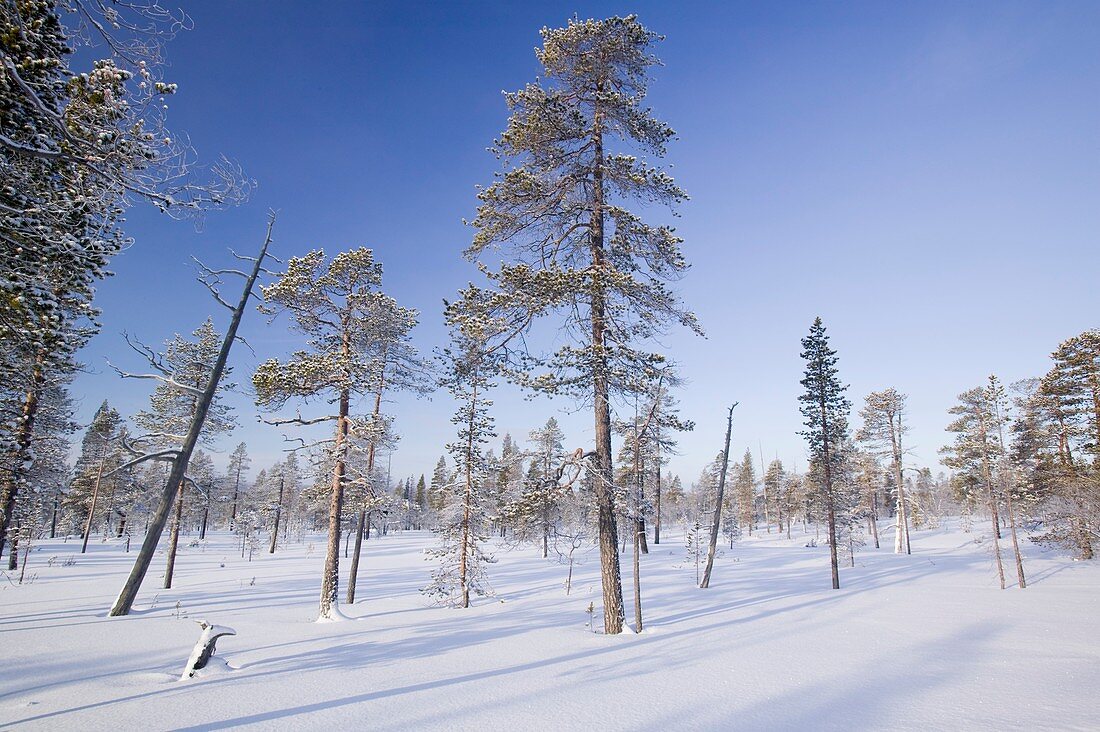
(826, 411)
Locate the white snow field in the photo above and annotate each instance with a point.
(920, 642)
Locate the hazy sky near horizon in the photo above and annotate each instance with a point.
(923, 176)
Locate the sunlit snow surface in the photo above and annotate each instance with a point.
(920, 642)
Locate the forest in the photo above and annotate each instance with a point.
(113, 529)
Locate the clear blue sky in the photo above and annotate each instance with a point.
(923, 176)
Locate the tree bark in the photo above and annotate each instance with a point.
(717, 521)
(330, 580)
(610, 575)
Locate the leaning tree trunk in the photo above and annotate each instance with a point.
(717, 521)
(145, 555)
(9, 489)
(95, 499)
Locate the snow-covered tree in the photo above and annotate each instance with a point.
(332, 303)
(572, 246)
(469, 369)
(883, 430)
(238, 465)
(978, 454)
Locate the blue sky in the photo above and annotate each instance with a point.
(923, 176)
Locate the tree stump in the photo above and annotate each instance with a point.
(204, 649)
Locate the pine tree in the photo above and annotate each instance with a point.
(543, 494)
(572, 247)
(744, 485)
(826, 411)
(978, 454)
(421, 501)
(883, 431)
(441, 478)
(238, 465)
(1064, 418)
(469, 369)
(775, 477)
(172, 410)
(99, 456)
(332, 304)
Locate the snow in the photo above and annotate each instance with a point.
(920, 642)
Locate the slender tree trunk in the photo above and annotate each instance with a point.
(987, 475)
(764, 488)
(901, 539)
(95, 499)
(468, 496)
(144, 557)
(638, 534)
(610, 574)
(353, 572)
(13, 553)
(174, 539)
(657, 496)
(1015, 543)
(717, 521)
(639, 478)
(873, 519)
(236, 493)
(278, 515)
(13, 479)
(53, 518)
(831, 499)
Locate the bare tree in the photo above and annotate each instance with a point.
(180, 458)
(716, 522)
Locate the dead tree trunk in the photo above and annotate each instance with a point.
(145, 555)
(717, 521)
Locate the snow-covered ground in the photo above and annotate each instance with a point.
(920, 642)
